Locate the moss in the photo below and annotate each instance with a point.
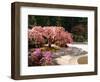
(53, 49)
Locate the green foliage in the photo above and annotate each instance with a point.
(80, 33)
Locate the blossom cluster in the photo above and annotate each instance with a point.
(41, 58)
(51, 34)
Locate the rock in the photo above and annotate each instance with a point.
(58, 54)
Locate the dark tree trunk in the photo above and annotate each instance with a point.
(49, 43)
(66, 46)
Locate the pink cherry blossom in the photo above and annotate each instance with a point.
(53, 35)
(36, 35)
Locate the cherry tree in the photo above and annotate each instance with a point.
(53, 35)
